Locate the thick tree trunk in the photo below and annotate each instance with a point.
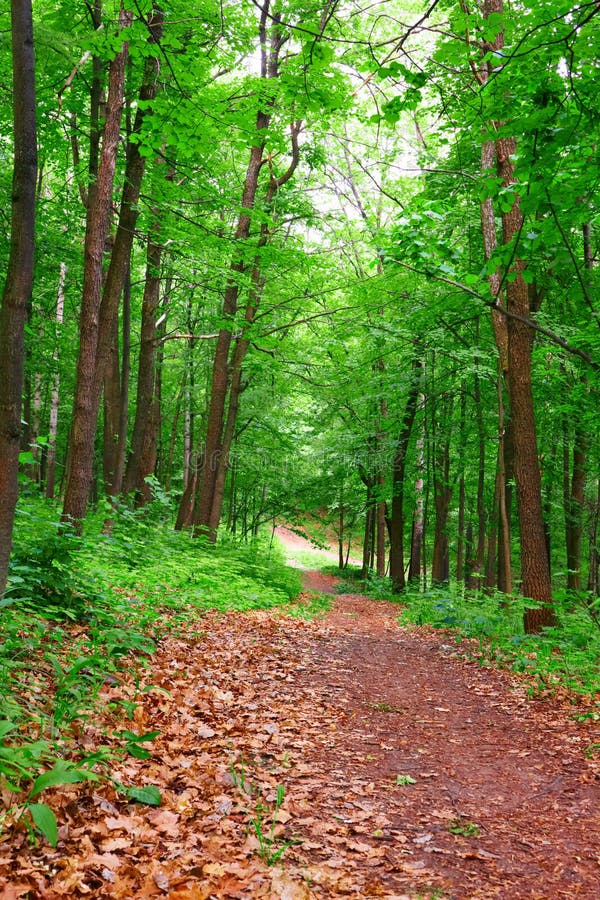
(19, 277)
(535, 574)
(85, 405)
(81, 451)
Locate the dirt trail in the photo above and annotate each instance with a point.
(504, 802)
(408, 772)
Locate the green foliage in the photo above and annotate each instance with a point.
(565, 655)
(45, 821)
(405, 780)
(464, 828)
(45, 577)
(134, 743)
(270, 847)
(149, 794)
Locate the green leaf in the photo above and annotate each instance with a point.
(404, 780)
(137, 738)
(60, 773)
(135, 750)
(45, 821)
(149, 794)
(6, 727)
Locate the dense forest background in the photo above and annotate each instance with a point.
(302, 258)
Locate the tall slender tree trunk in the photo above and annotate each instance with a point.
(399, 468)
(121, 451)
(211, 484)
(516, 359)
(461, 538)
(54, 399)
(83, 428)
(142, 457)
(575, 500)
(442, 495)
(593, 582)
(112, 406)
(574, 504)
(367, 539)
(220, 374)
(19, 277)
(418, 521)
(506, 469)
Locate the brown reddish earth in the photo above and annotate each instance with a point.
(407, 770)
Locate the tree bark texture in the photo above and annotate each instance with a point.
(54, 399)
(535, 574)
(19, 277)
(442, 495)
(418, 522)
(142, 440)
(85, 405)
(399, 468)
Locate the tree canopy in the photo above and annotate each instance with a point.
(316, 258)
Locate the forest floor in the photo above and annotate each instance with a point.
(404, 771)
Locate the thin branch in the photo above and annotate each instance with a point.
(493, 304)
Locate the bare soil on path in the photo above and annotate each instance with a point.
(408, 772)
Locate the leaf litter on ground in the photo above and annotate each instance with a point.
(303, 727)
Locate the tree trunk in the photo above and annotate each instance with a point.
(574, 507)
(112, 406)
(369, 524)
(54, 399)
(442, 494)
(19, 277)
(416, 542)
(85, 405)
(535, 574)
(117, 483)
(238, 356)
(593, 583)
(220, 373)
(143, 457)
(399, 468)
(381, 529)
(209, 501)
(461, 537)
(506, 468)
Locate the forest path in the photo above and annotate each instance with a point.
(408, 772)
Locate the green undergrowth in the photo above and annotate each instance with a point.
(567, 655)
(80, 611)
